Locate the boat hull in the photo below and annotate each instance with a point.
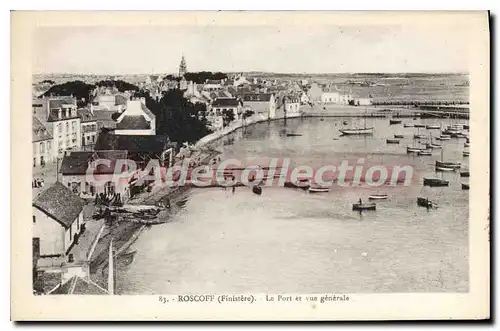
(464, 174)
(435, 182)
(399, 136)
(454, 165)
(378, 197)
(423, 202)
(364, 206)
(392, 141)
(465, 186)
(318, 190)
(357, 131)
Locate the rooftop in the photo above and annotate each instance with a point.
(133, 122)
(60, 204)
(225, 102)
(131, 143)
(79, 285)
(39, 131)
(77, 163)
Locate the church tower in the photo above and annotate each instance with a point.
(182, 67)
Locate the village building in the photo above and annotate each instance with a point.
(88, 122)
(263, 104)
(59, 115)
(292, 106)
(221, 106)
(363, 99)
(315, 92)
(42, 143)
(213, 85)
(110, 99)
(57, 220)
(136, 119)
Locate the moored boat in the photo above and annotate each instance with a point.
(357, 131)
(433, 127)
(318, 189)
(435, 182)
(364, 206)
(425, 153)
(443, 137)
(399, 136)
(408, 125)
(441, 168)
(464, 173)
(378, 196)
(420, 125)
(392, 141)
(293, 135)
(466, 144)
(394, 122)
(424, 202)
(465, 186)
(414, 149)
(466, 126)
(419, 136)
(257, 190)
(465, 153)
(431, 145)
(454, 165)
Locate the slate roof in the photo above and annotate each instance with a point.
(39, 131)
(133, 122)
(225, 102)
(120, 100)
(78, 285)
(60, 204)
(104, 118)
(147, 111)
(86, 116)
(77, 163)
(131, 143)
(257, 97)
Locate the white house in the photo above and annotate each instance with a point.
(57, 220)
(292, 106)
(136, 119)
(42, 143)
(260, 103)
(330, 97)
(304, 98)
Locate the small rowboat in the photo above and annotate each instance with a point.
(357, 131)
(408, 125)
(319, 189)
(466, 127)
(467, 140)
(413, 149)
(378, 197)
(464, 174)
(392, 141)
(399, 136)
(424, 202)
(419, 136)
(441, 168)
(424, 153)
(466, 144)
(391, 122)
(420, 125)
(433, 127)
(444, 137)
(431, 145)
(345, 122)
(454, 165)
(293, 135)
(364, 206)
(432, 182)
(465, 186)
(465, 153)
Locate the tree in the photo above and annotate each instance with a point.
(202, 76)
(120, 85)
(76, 88)
(227, 116)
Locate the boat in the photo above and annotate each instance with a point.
(408, 125)
(364, 206)
(357, 131)
(293, 135)
(420, 125)
(467, 140)
(465, 186)
(441, 168)
(424, 202)
(464, 173)
(454, 165)
(391, 122)
(431, 145)
(414, 149)
(433, 182)
(466, 126)
(392, 141)
(466, 144)
(465, 153)
(318, 189)
(433, 127)
(419, 136)
(345, 122)
(378, 197)
(399, 136)
(424, 153)
(443, 137)
(257, 190)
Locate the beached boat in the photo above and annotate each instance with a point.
(391, 122)
(414, 149)
(424, 153)
(424, 202)
(408, 125)
(378, 197)
(257, 190)
(364, 206)
(465, 186)
(464, 173)
(454, 165)
(420, 125)
(432, 182)
(465, 153)
(399, 136)
(318, 189)
(392, 141)
(357, 131)
(433, 127)
(293, 135)
(441, 168)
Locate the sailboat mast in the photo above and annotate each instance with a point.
(111, 270)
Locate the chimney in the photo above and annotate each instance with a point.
(67, 112)
(59, 113)
(92, 108)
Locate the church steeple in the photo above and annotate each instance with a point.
(182, 67)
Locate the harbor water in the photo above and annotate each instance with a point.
(289, 240)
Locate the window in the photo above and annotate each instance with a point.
(70, 232)
(78, 222)
(67, 126)
(42, 148)
(59, 128)
(73, 126)
(48, 146)
(34, 219)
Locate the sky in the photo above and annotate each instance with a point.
(285, 49)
